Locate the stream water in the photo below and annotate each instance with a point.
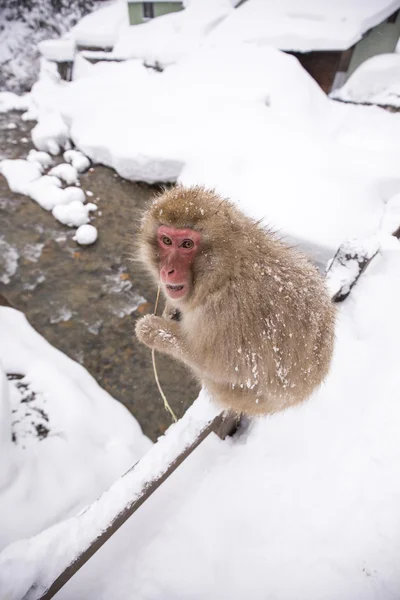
(85, 300)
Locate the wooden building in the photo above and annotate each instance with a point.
(331, 69)
(329, 38)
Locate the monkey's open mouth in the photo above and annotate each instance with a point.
(175, 288)
(176, 291)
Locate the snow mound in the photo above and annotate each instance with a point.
(73, 214)
(72, 194)
(46, 191)
(10, 101)
(65, 172)
(77, 159)
(85, 235)
(42, 158)
(51, 133)
(20, 173)
(60, 425)
(376, 81)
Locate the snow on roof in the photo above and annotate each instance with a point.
(100, 28)
(304, 25)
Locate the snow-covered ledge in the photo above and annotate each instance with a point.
(66, 546)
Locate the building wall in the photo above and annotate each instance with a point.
(381, 39)
(157, 9)
(163, 8)
(322, 66)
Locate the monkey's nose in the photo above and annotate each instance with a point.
(170, 271)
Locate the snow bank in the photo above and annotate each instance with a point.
(100, 28)
(302, 25)
(163, 41)
(376, 81)
(90, 440)
(20, 173)
(303, 504)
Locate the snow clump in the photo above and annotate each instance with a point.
(51, 133)
(19, 173)
(42, 158)
(11, 101)
(73, 214)
(77, 159)
(65, 172)
(85, 235)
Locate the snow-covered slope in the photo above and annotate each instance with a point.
(63, 439)
(301, 504)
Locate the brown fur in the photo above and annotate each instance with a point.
(257, 326)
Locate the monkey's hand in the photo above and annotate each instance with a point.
(159, 333)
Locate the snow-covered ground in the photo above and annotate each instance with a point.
(302, 504)
(63, 439)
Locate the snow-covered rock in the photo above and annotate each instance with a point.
(10, 101)
(73, 214)
(65, 172)
(46, 191)
(42, 158)
(77, 159)
(20, 173)
(51, 133)
(85, 235)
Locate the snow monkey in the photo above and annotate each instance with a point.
(247, 314)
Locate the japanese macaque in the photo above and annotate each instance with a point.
(247, 314)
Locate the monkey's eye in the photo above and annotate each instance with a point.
(166, 240)
(187, 244)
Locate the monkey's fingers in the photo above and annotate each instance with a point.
(153, 332)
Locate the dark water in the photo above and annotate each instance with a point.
(85, 300)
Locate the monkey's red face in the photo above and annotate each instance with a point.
(178, 249)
